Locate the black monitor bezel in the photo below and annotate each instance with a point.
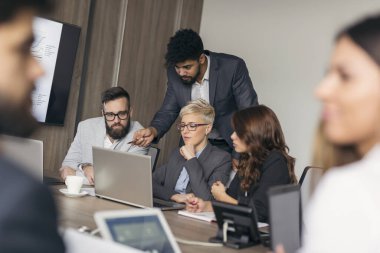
(281, 189)
(63, 73)
(237, 240)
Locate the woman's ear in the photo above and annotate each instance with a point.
(208, 129)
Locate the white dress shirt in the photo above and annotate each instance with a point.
(344, 213)
(202, 89)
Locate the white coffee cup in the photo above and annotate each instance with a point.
(74, 184)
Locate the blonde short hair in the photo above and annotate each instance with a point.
(201, 107)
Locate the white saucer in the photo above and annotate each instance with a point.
(73, 195)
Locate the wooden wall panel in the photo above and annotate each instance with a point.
(57, 139)
(142, 71)
(103, 49)
(149, 26)
(191, 14)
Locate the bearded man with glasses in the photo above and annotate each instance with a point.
(114, 130)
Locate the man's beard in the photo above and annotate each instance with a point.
(16, 120)
(192, 79)
(119, 133)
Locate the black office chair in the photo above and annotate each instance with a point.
(153, 152)
(308, 181)
(307, 171)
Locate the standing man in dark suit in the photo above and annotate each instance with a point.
(220, 79)
(28, 217)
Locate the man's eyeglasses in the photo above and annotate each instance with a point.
(192, 126)
(111, 116)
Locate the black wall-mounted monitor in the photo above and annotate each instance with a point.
(55, 48)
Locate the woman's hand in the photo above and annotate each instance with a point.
(218, 190)
(196, 205)
(181, 198)
(187, 151)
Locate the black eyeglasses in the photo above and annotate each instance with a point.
(191, 126)
(111, 116)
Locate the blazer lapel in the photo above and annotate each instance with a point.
(101, 134)
(205, 153)
(186, 93)
(213, 77)
(202, 158)
(176, 171)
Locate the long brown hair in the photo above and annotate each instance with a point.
(259, 128)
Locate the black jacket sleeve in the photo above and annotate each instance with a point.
(273, 172)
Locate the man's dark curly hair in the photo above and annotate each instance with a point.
(184, 45)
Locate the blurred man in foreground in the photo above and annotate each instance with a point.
(28, 219)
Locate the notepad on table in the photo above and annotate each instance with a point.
(205, 216)
(210, 217)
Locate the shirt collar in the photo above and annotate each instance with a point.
(207, 73)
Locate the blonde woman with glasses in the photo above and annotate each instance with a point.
(193, 168)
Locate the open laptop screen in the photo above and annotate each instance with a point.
(285, 217)
(26, 152)
(144, 233)
(143, 229)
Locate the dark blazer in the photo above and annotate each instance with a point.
(274, 171)
(230, 90)
(28, 218)
(212, 165)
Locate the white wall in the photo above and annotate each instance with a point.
(286, 45)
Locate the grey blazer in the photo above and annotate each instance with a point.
(212, 165)
(231, 90)
(91, 132)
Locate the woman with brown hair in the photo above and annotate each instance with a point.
(347, 198)
(264, 162)
(343, 215)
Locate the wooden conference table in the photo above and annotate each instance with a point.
(77, 212)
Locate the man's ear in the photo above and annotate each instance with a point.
(103, 105)
(202, 59)
(130, 111)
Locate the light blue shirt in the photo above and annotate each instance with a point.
(183, 179)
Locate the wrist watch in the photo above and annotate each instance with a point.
(84, 165)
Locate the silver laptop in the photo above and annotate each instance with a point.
(126, 178)
(26, 152)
